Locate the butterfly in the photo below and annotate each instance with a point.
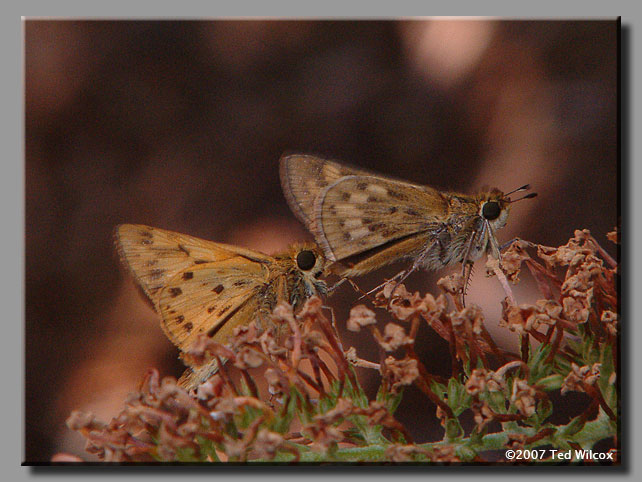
(199, 286)
(363, 221)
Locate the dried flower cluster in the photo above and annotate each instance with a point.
(287, 390)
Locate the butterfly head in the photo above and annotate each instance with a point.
(308, 266)
(494, 205)
(494, 208)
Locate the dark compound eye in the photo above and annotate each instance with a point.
(306, 260)
(491, 210)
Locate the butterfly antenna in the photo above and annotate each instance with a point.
(525, 187)
(528, 196)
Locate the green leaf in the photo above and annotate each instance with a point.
(570, 429)
(208, 447)
(562, 365)
(438, 389)
(186, 454)
(453, 430)
(544, 410)
(458, 399)
(389, 399)
(496, 401)
(550, 383)
(465, 453)
(536, 363)
(356, 394)
(284, 418)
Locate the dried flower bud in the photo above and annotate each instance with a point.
(580, 375)
(523, 397)
(202, 350)
(283, 313)
(269, 345)
(267, 443)
(246, 358)
(80, 420)
(360, 316)
(610, 322)
(351, 355)
(482, 414)
(213, 387)
(405, 305)
(312, 339)
(245, 334)
(472, 314)
(577, 305)
(223, 407)
(580, 281)
(277, 384)
(495, 382)
(435, 306)
(394, 336)
(403, 372)
(235, 449)
(341, 410)
(383, 296)
(324, 435)
(312, 308)
(477, 381)
(512, 259)
(452, 284)
(514, 317)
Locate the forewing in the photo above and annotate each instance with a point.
(303, 177)
(356, 214)
(212, 298)
(155, 256)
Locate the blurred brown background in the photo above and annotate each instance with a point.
(180, 125)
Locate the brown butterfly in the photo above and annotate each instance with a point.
(199, 286)
(365, 220)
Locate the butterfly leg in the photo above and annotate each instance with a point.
(419, 261)
(467, 266)
(506, 245)
(376, 288)
(340, 282)
(333, 322)
(406, 273)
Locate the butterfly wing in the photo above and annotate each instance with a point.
(194, 376)
(303, 177)
(154, 256)
(212, 298)
(376, 216)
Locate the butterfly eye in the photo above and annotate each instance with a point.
(306, 260)
(491, 210)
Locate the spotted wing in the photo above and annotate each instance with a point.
(359, 214)
(212, 298)
(154, 256)
(303, 177)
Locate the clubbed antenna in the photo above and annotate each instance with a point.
(525, 187)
